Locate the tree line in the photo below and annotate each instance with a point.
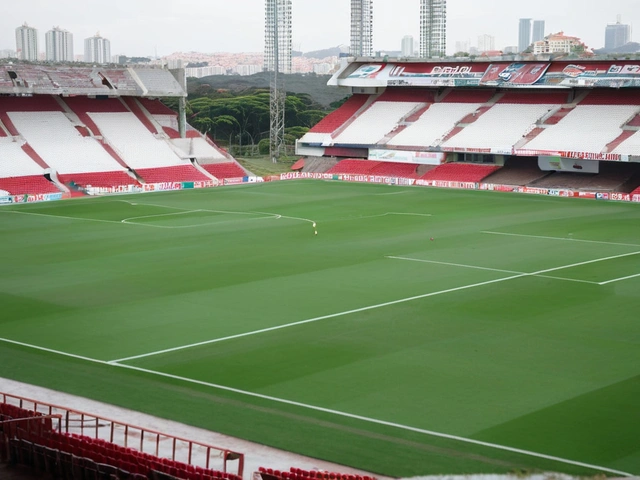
(240, 120)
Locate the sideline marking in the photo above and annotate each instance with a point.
(491, 269)
(65, 217)
(390, 213)
(364, 309)
(560, 238)
(127, 221)
(391, 193)
(619, 279)
(328, 410)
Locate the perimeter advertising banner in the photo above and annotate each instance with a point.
(612, 74)
(406, 156)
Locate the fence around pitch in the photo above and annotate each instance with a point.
(67, 420)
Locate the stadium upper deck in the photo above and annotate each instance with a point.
(28, 79)
(568, 109)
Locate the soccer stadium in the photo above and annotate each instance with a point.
(445, 283)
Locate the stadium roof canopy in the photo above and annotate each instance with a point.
(31, 79)
(536, 73)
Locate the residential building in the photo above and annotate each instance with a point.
(616, 35)
(524, 34)
(407, 46)
(27, 43)
(97, 49)
(538, 31)
(361, 28)
(59, 45)
(433, 28)
(462, 46)
(486, 43)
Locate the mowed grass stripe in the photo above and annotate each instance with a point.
(335, 412)
(104, 291)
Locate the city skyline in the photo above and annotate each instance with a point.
(239, 26)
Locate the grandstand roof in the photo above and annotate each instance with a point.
(30, 79)
(534, 72)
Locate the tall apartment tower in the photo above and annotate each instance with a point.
(59, 45)
(97, 49)
(524, 34)
(617, 34)
(407, 46)
(277, 36)
(486, 43)
(433, 28)
(538, 31)
(361, 28)
(27, 43)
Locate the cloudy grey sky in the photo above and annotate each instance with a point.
(142, 27)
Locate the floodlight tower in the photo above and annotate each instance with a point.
(433, 28)
(277, 60)
(361, 28)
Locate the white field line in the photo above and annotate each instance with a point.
(127, 221)
(561, 238)
(489, 269)
(619, 279)
(65, 217)
(364, 309)
(390, 213)
(330, 411)
(391, 193)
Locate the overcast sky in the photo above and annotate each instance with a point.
(143, 27)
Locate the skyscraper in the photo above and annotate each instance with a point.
(433, 28)
(97, 49)
(538, 31)
(27, 43)
(524, 34)
(361, 28)
(486, 43)
(616, 35)
(59, 45)
(407, 46)
(277, 36)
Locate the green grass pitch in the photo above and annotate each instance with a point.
(509, 342)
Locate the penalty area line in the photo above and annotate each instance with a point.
(370, 307)
(338, 413)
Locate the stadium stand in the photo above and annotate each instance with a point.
(198, 148)
(81, 106)
(434, 124)
(517, 171)
(631, 146)
(460, 172)
(318, 164)
(586, 128)
(338, 117)
(31, 439)
(225, 170)
(392, 169)
(374, 123)
(300, 474)
(134, 142)
(613, 177)
(178, 173)
(502, 126)
(135, 108)
(355, 167)
(97, 179)
(60, 145)
(463, 95)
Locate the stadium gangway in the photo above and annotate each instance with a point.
(163, 445)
